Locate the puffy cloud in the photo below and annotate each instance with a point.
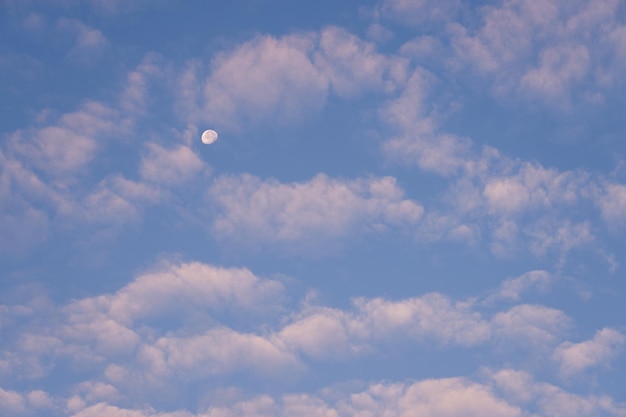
(419, 142)
(562, 236)
(512, 288)
(549, 400)
(534, 326)
(353, 65)
(533, 186)
(612, 203)
(430, 316)
(11, 402)
(166, 329)
(69, 145)
(264, 78)
(115, 200)
(560, 66)
(549, 50)
(320, 209)
(326, 333)
(436, 397)
(219, 351)
(285, 79)
(175, 287)
(442, 397)
(574, 358)
(169, 166)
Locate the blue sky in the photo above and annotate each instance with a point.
(413, 208)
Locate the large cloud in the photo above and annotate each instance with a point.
(251, 209)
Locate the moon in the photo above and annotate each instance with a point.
(209, 136)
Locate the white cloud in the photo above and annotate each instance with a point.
(11, 402)
(321, 209)
(531, 326)
(436, 397)
(114, 201)
(220, 351)
(90, 42)
(265, 78)
(562, 236)
(612, 204)
(560, 66)
(430, 317)
(135, 93)
(326, 333)
(441, 397)
(532, 186)
(180, 287)
(40, 399)
(284, 79)
(69, 145)
(549, 400)
(54, 149)
(170, 166)
(167, 326)
(512, 288)
(574, 358)
(552, 50)
(353, 65)
(419, 141)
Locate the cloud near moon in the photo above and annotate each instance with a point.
(209, 136)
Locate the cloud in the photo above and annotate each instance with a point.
(512, 288)
(415, 13)
(553, 51)
(90, 43)
(533, 186)
(531, 326)
(218, 351)
(560, 66)
(174, 287)
(169, 166)
(436, 397)
(11, 402)
(185, 322)
(353, 66)
(612, 203)
(317, 210)
(69, 145)
(440, 397)
(519, 387)
(419, 142)
(285, 79)
(114, 201)
(575, 358)
(326, 333)
(135, 93)
(264, 78)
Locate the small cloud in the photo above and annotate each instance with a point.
(575, 358)
(170, 166)
(513, 288)
(90, 44)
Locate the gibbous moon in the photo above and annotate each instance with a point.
(209, 136)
